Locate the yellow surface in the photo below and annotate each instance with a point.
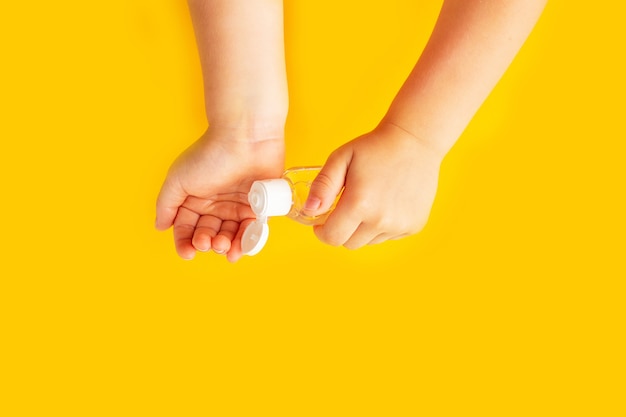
(510, 302)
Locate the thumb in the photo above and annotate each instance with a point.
(169, 200)
(326, 186)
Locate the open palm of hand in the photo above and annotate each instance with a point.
(204, 195)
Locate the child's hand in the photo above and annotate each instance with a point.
(390, 180)
(205, 192)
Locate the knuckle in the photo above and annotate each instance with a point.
(353, 246)
(385, 222)
(326, 236)
(391, 223)
(412, 229)
(323, 182)
(363, 206)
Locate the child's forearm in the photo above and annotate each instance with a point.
(241, 49)
(470, 48)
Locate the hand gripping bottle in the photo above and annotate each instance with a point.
(283, 196)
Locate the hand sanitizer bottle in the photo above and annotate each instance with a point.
(283, 196)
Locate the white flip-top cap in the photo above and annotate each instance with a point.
(270, 197)
(266, 198)
(255, 237)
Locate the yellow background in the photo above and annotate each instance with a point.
(510, 302)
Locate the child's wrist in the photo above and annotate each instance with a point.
(249, 128)
(436, 149)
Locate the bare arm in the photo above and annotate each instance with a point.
(241, 49)
(471, 47)
(240, 43)
(391, 174)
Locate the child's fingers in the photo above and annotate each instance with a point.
(339, 226)
(223, 241)
(328, 184)
(207, 228)
(362, 236)
(184, 226)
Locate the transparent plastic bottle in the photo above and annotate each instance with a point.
(283, 196)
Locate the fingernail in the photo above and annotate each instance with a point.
(312, 203)
(219, 251)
